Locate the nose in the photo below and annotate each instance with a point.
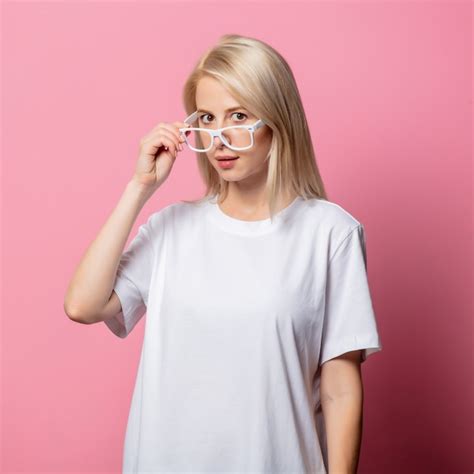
(218, 142)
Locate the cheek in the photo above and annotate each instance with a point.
(263, 145)
(262, 141)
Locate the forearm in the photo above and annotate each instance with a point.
(93, 280)
(343, 419)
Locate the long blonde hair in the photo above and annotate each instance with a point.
(262, 81)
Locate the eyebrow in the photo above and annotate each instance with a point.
(227, 110)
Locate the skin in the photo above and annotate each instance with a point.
(247, 199)
(342, 397)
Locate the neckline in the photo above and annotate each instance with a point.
(243, 227)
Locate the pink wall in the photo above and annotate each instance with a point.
(387, 92)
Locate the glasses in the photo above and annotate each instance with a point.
(237, 137)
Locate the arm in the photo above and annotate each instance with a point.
(342, 403)
(90, 297)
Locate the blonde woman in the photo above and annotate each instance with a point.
(258, 307)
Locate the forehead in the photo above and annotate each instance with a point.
(212, 96)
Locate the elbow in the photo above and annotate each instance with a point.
(72, 313)
(75, 314)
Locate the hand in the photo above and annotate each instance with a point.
(158, 151)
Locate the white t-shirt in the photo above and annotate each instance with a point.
(240, 316)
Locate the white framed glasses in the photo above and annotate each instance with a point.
(235, 137)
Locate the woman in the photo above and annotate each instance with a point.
(258, 306)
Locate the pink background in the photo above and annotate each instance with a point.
(387, 92)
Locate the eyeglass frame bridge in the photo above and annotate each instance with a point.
(218, 133)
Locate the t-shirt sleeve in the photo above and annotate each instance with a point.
(133, 281)
(349, 319)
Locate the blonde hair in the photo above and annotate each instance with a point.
(262, 81)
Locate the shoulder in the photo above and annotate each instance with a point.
(331, 216)
(176, 213)
(334, 223)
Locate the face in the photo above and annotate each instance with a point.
(212, 102)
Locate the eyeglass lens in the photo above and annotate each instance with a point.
(236, 137)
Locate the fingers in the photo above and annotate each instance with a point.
(172, 127)
(160, 139)
(172, 137)
(167, 135)
(162, 136)
(169, 143)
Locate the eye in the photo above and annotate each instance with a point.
(240, 113)
(201, 118)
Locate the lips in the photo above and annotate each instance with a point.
(226, 158)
